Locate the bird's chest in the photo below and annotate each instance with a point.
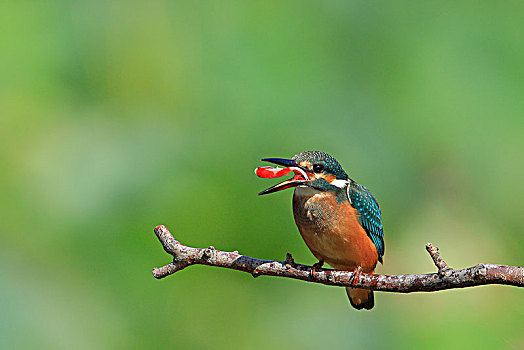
(331, 230)
(315, 211)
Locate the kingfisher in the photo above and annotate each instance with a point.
(339, 219)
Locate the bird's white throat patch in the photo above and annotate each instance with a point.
(339, 183)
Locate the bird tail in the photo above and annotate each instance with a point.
(361, 298)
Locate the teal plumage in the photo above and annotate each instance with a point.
(370, 218)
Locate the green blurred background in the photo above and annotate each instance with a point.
(119, 116)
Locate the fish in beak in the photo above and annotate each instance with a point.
(300, 175)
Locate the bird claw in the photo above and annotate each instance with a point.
(316, 266)
(356, 276)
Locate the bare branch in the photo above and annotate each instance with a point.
(446, 278)
(441, 265)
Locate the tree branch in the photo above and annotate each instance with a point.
(445, 278)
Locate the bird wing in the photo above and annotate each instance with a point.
(369, 214)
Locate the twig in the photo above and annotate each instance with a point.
(446, 278)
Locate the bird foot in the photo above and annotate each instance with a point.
(356, 276)
(316, 266)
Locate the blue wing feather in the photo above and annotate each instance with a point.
(363, 200)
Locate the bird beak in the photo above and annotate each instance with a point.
(300, 177)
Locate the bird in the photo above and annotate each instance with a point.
(339, 219)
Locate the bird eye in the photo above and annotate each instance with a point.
(318, 168)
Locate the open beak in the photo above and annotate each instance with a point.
(298, 179)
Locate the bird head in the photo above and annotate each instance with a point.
(313, 169)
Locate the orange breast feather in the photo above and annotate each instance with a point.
(332, 232)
